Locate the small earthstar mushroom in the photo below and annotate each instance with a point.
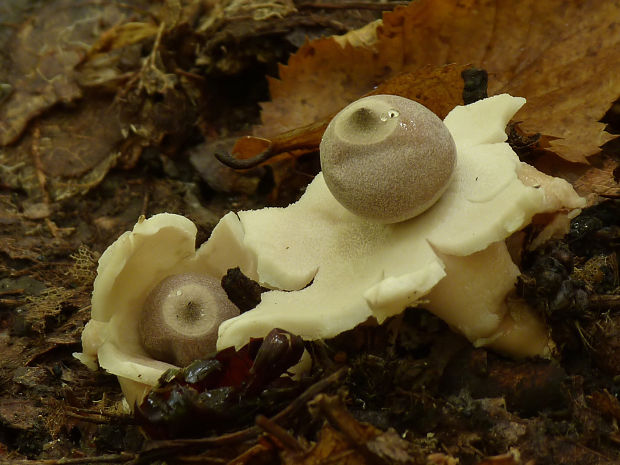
(387, 158)
(181, 316)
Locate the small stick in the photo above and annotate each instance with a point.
(11, 291)
(110, 458)
(341, 419)
(352, 6)
(602, 301)
(245, 163)
(38, 165)
(275, 430)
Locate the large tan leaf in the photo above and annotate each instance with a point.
(82, 52)
(41, 57)
(562, 56)
(65, 153)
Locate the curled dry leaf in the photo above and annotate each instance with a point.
(43, 53)
(223, 391)
(601, 180)
(68, 149)
(72, 150)
(600, 177)
(544, 51)
(81, 51)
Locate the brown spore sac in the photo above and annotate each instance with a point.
(181, 316)
(387, 158)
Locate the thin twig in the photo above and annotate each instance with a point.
(102, 413)
(309, 394)
(123, 457)
(99, 419)
(146, 63)
(187, 74)
(38, 165)
(604, 301)
(275, 430)
(11, 291)
(245, 163)
(352, 6)
(340, 418)
(583, 337)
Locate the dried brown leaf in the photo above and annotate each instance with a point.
(43, 53)
(331, 445)
(601, 180)
(439, 88)
(69, 151)
(347, 441)
(605, 403)
(122, 35)
(324, 76)
(561, 56)
(19, 414)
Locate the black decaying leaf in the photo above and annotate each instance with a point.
(224, 391)
(476, 81)
(241, 290)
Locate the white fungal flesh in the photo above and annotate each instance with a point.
(331, 270)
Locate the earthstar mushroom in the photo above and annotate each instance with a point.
(330, 269)
(157, 248)
(387, 158)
